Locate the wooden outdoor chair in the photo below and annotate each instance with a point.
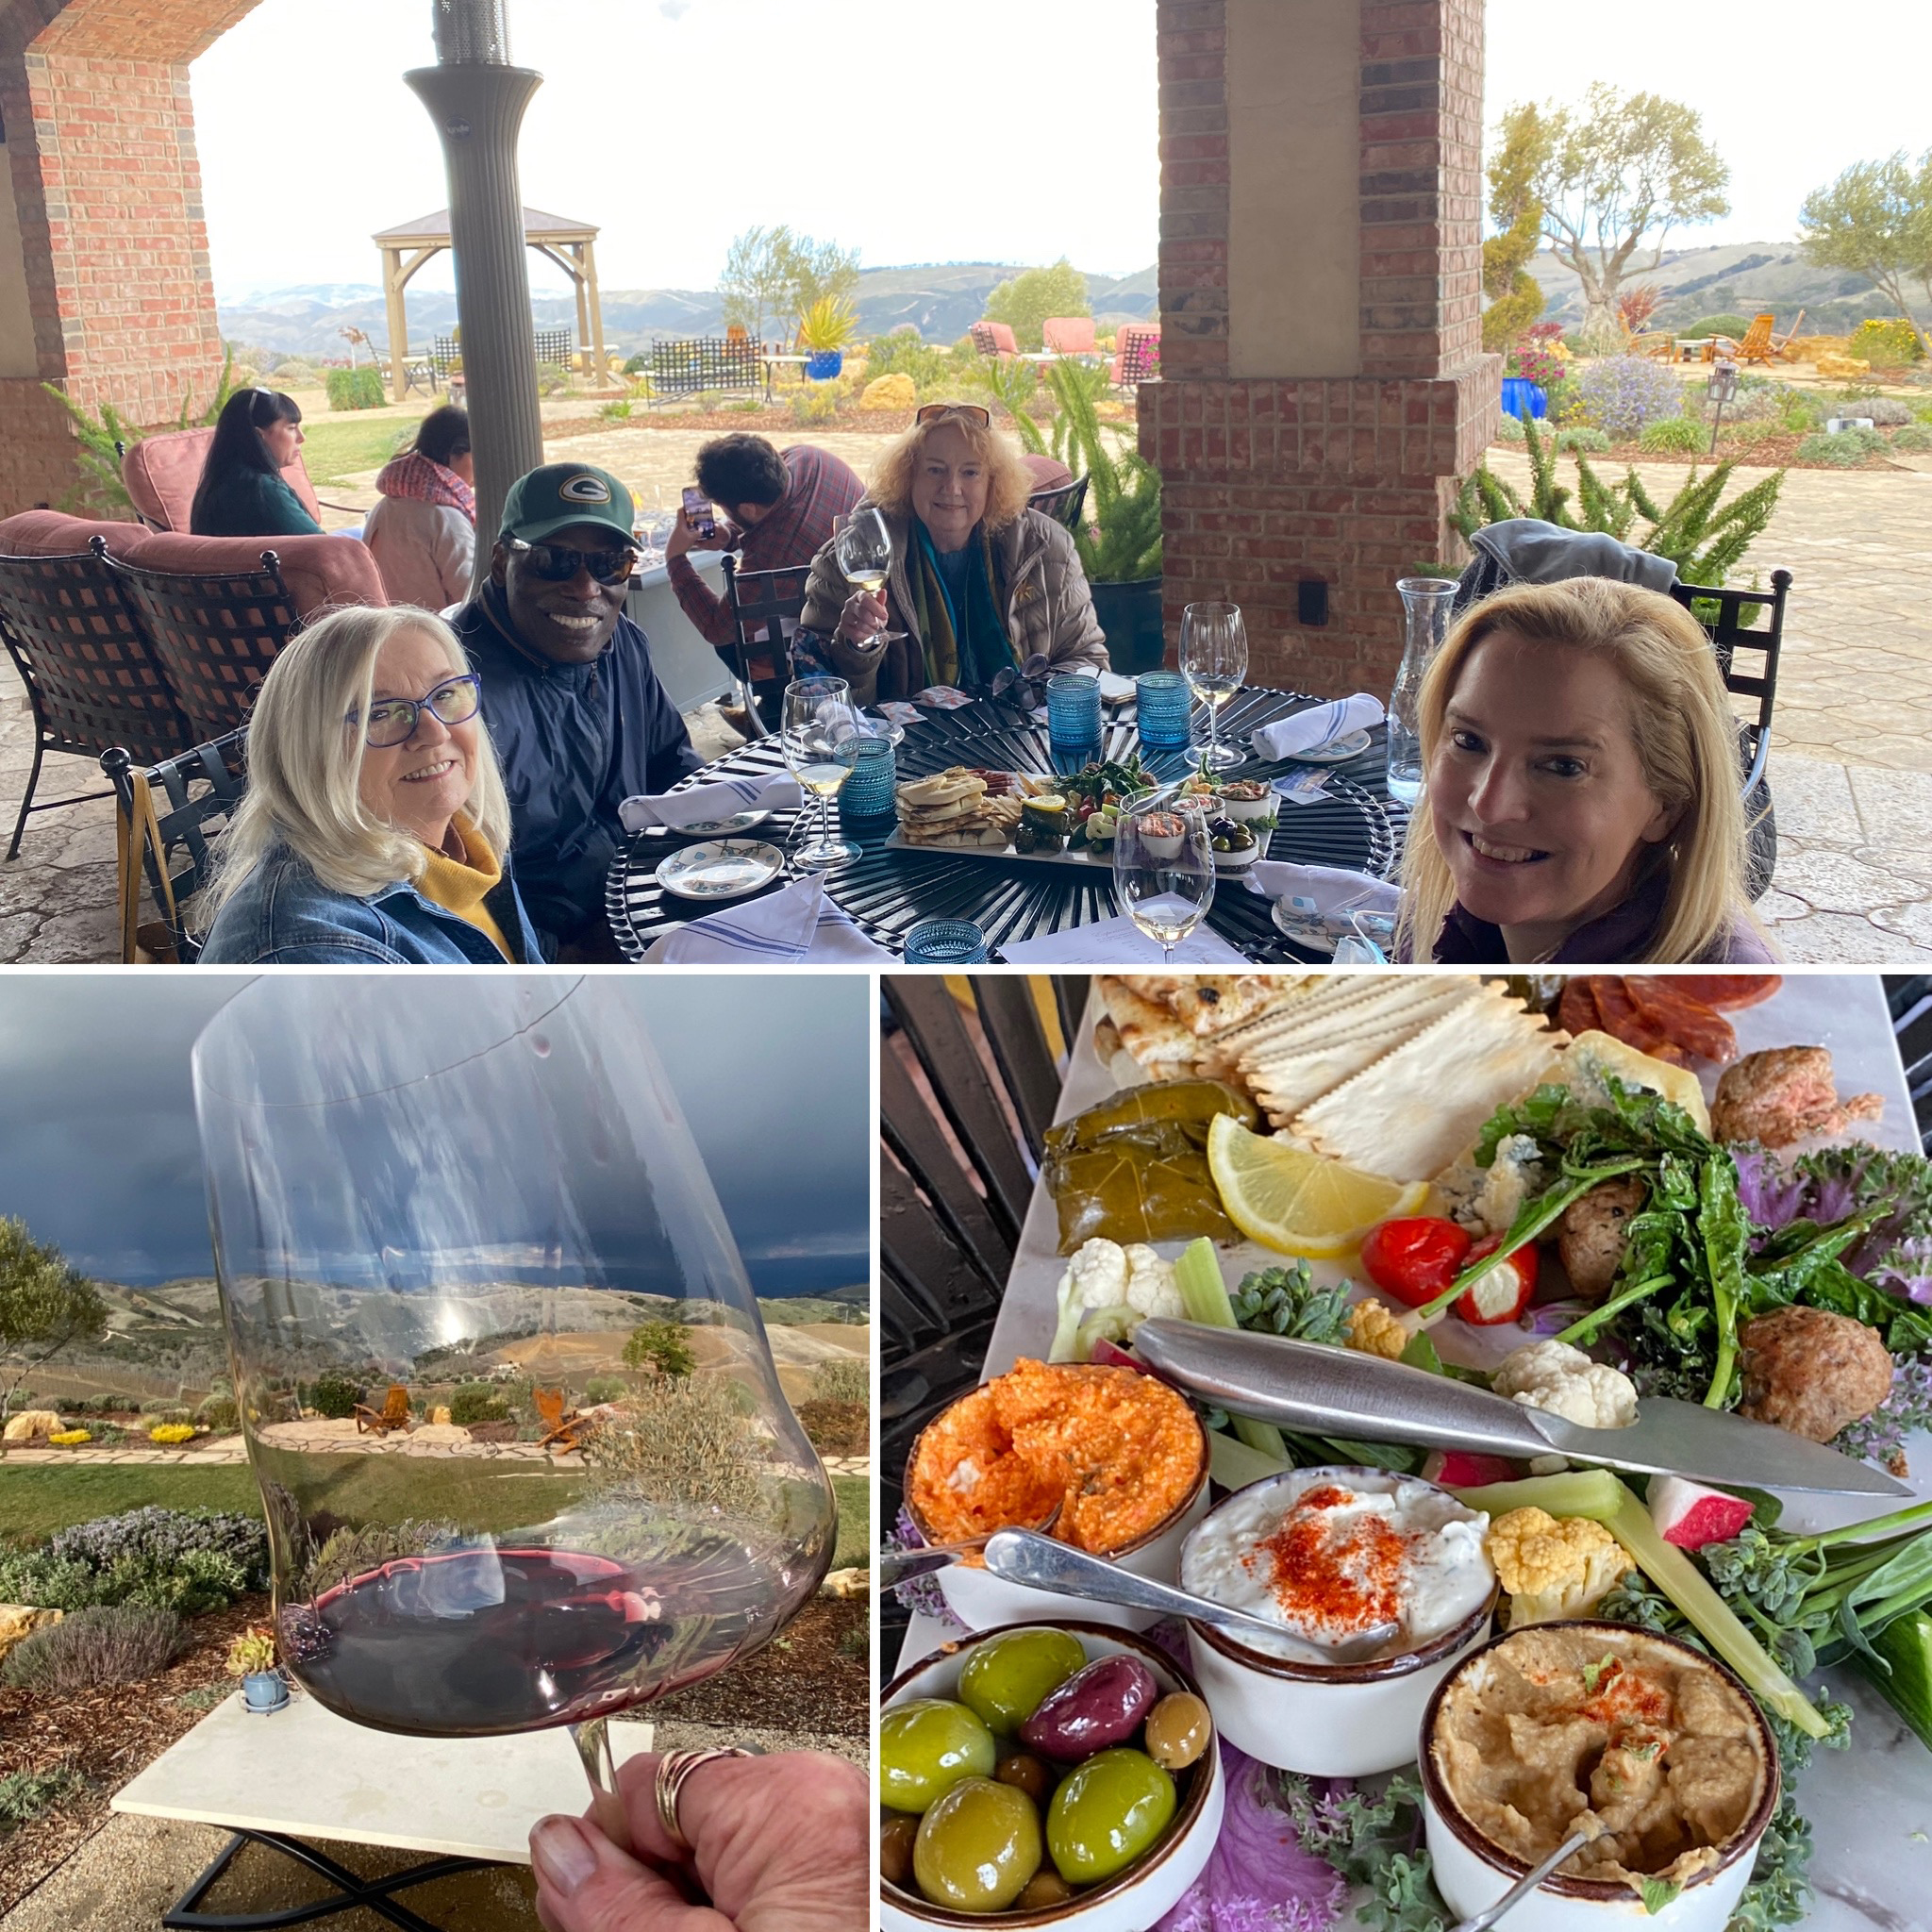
(1757, 344)
(391, 1416)
(560, 1424)
(959, 1144)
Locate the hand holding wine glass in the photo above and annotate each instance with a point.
(821, 731)
(863, 547)
(1214, 659)
(1163, 865)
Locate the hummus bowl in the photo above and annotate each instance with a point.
(1660, 1742)
(1132, 1899)
(1292, 1709)
(1143, 1454)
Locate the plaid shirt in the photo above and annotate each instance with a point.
(818, 487)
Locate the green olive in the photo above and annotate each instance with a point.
(925, 1748)
(1006, 1677)
(977, 1846)
(1109, 1810)
(897, 1830)
(1178, 1729)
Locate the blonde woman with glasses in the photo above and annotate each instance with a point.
(1582, 802)
(978, 582)
(374, 830)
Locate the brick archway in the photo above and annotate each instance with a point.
(105, 285)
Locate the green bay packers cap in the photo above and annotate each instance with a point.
(558, 497)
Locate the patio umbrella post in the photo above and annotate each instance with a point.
(476, 98)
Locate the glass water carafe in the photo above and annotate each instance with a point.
(1425, 623)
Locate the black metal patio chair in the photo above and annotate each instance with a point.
(766, 606)
(689, 365)
(1909, 996)
(1063, 503)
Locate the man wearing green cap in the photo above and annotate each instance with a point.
(578, 716)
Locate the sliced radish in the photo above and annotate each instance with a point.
(1458, 1468)
(1689, 1515)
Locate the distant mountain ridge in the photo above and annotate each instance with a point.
(1739, 279)
(941, 299)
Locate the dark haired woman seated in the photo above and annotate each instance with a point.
(242, 492)
(423, 534)
(1582, 804)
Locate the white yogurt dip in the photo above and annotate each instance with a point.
(1331, 1553)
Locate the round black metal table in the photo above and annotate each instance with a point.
(888, 891)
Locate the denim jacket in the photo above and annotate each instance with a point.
(283, 915)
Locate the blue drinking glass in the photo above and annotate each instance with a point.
(946, 942)
(1164, 707)
(868, 791)
(1072, 714)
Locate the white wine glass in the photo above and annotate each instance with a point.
(1214, 659)
(1163, 865)
(863, 546)
(822, 731)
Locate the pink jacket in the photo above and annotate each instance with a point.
(427, 552)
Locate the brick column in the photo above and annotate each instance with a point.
(107, 235)
(1323, 382)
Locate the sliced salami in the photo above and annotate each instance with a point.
(1621, 1017)
(1698, 1028)
(1724, 991)
(1576, 1010)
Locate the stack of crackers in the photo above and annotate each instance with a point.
(954, 808)
(1394, 1074)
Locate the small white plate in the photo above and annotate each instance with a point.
(1321, 933)
(723, 828)
(720, 869)
(1337, 751)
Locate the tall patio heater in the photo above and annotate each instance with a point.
(476, 98)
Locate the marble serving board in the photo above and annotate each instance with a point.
(1870, 1806)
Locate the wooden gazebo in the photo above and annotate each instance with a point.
(570, 244)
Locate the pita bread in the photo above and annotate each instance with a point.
(1156, 1039)
(1211, 1004)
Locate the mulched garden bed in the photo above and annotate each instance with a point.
(801, 1682)
(1774, 453)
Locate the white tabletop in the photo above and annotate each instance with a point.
(305, 1771)
(1870, 1806)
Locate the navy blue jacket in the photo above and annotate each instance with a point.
(574, 742)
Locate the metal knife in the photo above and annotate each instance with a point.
(1340, 1391)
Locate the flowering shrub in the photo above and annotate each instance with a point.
(1547, 335)
(166, 1537)
(1623, 394)
(169, 1434)
(118, 1645)
(1886, 344)
(66, 1439)
(1537, 364)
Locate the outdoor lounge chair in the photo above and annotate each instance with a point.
(391, 1416)
(1063, 503)
(1068, 335)
(766, 606)
(1757, 344)
(560, 1424)
(162, 474)
(1137, 354)
(993, 338)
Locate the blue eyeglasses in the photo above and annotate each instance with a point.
(392, 721)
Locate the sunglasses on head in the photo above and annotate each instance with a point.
(555, 565)
(937, 412)
(392, 721)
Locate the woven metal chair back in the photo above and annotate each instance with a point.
(702, 363)
(1139, 353)
(215, 636)
(553, 345)
(445, 355)
(194, 796)
(91, 676)
(1064, 504)
(766, 606)
(1746, 630)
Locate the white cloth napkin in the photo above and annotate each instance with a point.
(797, 925)
(1327, 889)
(1118, 942)
(704, 803)
(1319, 724)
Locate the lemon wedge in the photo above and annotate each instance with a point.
(1296, 1202)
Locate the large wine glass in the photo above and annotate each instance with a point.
(1214, 659)
(1163, 865)
(822, 731)
(417, 1183)
(863, 546)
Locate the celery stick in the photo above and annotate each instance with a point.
(1204, 1295)
(1597, 1493)
(1234, 1465)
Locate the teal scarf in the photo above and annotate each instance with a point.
(963, 647)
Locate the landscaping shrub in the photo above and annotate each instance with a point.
(335, 1396)
(552, 378)
(1748, 431)
(1674, 435)
(836, 1428)
(1584, 439)
(637, 365)
(219, 1412)
(906, 353)
(166, 1536)
(169, 1434)
(24, 1794)
(1510, 430)
(477, 1402)
(120, 1644)
(1717, 325)
(1623, 394)
(355, 389)
(617, 411)
(1844, 451)
(1886, 344)
(679, 1443)
(849, 1381)
(818, 404)
(67, 1438)
(1914, 436)
(1887, 412)
(606, 1389)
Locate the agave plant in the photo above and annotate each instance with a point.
(830, 323)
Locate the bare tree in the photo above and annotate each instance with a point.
(45, 1305)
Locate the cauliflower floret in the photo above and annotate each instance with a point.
(1375, 1331)
(1151, 1287)
(1108, 1291)
(1553, 1567)
(1561, 1380)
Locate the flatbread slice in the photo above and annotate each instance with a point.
(1211, 1004)
(1159, 1042)
(1286, 1085)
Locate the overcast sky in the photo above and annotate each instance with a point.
(915, 130)
(98, 1150)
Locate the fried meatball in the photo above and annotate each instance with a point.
(1811, 1372)
(1592, 1234)
(1782, 1094)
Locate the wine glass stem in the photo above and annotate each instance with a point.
(592, 1740)
(1213, 736)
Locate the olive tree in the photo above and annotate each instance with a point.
(1025, 302)
(1877, 220)
(773, 276)
(45, 1305)
(1614, 176)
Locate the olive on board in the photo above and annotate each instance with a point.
(1101, 1705)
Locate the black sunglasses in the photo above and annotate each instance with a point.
(555, 565)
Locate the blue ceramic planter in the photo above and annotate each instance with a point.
(822, 365)
(1521, 397)
(264, 1690)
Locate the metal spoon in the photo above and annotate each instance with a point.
(1525, 1885)
(1018, 1556)
(895, 1566)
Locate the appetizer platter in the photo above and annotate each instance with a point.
(1551, 1358)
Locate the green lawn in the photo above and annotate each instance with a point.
(855, 1521)
(340, 446)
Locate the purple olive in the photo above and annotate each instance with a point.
(1095, 1708)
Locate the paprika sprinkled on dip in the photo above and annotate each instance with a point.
(1118, 1451)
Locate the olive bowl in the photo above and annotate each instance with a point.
(1153, 1883)
(1473, 1872)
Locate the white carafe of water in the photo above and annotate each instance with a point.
(1425, 623)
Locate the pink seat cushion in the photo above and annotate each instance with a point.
(1047, 474)
(162, 474)
(1068, 335)
(53, 533)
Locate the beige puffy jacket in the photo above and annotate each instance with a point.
(1049, 610)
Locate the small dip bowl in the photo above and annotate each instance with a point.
(1239, 861)
(1326, 1719)
(980, 1600)
(1473, 1872)
(1153, 1884)
(1241, 809)
(1162, 844)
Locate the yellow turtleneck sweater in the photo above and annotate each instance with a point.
(460, 885)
